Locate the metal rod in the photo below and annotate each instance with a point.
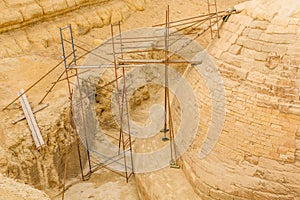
(99, 66)
(122, 100)
(89, 51)
(166, 75)
(120, 61)
(214, 5)
(73, 49)
(36, 109)
(121, 41)
(121, 121)
(79, 89)
(195, 21)
(136, 51)
(65, 168)
(65, 63)
(106, 163)
(140, 51)
(171, 130)
(116, 76)
(105, 166)
(199, 23)
(52, 86)
(102, 87)
(185, 19)
(138, 47)
(83, 120)
(174, 42)
(111, 136)
(78, 147)
(104, 156)
(90, 66)
(186, 27)
(140, 37)
(34, 84)
(134, 41)
(143, 37)
(74, 75)
(129, 131)
(188, 42)
(68, 26)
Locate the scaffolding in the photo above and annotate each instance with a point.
(82, 96)
(68, 69)
(124, 143)
(212, 8)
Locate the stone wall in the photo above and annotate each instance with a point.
(257, 155)
(15, 14)
(13, 190)
(42, 168)
(30, 24)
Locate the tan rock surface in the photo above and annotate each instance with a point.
(51, 15)
(12, 190)
(258, 153)
(103, 184)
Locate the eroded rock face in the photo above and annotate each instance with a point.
(13, 190)
(24, 25)
(16, 14)
(258, 152)
(42, 168)
(29, 26)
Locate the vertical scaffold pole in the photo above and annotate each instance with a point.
(168, 112)
(213, 9)
(122, 105)
(69, 27)
(166, 59)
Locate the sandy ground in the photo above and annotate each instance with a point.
(154, 11)
(20, 72)
(11, 190)
(103, 184)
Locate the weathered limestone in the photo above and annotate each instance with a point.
(165, 184)
(19, 158)
(257, 156)
(259, 151)
(29, 11)
(85, 15)
(13, 190)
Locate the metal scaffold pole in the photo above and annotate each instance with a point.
(119, 70)
(212, 8)
(168, 111)
(67, 71)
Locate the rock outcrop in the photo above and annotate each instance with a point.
(16, 14)
(12, 190)
(27, 24)
(19, 158)
(258, 152)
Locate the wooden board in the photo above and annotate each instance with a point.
(35, 131)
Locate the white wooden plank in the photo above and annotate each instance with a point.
(37, 130)
(37, 137)
(28, 119)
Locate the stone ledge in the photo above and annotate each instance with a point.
(15, 16)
